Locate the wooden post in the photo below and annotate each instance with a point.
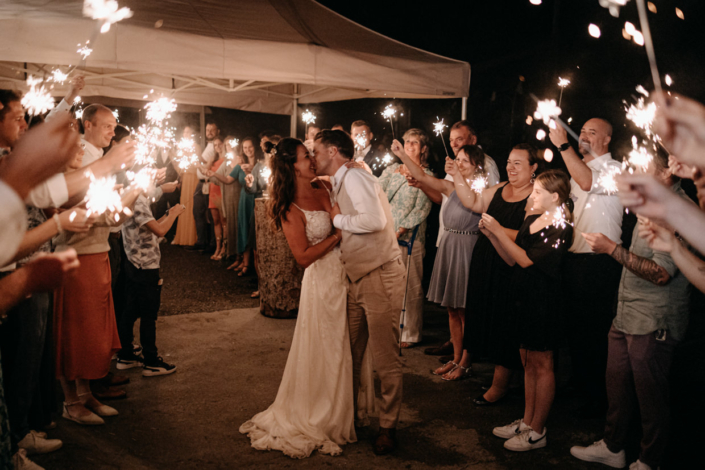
(279, 275)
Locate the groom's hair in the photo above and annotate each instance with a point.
(339, 139)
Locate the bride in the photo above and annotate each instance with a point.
(314, 407)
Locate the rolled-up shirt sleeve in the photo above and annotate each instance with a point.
(51, 193)
(13, 223)
(370, 215)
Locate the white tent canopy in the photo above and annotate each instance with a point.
(254, 55)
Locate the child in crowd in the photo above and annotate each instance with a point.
(536, 255)
(141, 234)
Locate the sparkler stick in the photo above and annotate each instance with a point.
(562, 82)
(389, 113)
(646, 31)
(438, 129)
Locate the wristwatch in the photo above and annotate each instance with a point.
(564, 147)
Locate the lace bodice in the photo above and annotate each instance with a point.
(318, 226)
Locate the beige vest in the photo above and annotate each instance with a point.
(364, 252)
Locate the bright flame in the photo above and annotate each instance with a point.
(594, 30)
(548, 155)
(107, 11)
(37, 100)
(540, 134)
(160, 109)
(438, 127)
(479, 183)
(308, 117)
(102, 196)
(608, 179)
(389, 112)
(546, 109)
(563, 82)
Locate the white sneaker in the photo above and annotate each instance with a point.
(35, 443)
(510, 430)
(526, 440)
(639, 465)
(598, 452)
(21, 462)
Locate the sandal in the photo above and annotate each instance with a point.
(243, 271)
(455, 365)
(90, 419)
(465, 373)
(255, 295)
(235, 265)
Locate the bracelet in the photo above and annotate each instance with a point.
(58, 223)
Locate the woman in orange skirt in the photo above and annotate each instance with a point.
(215, 203)
(186, 225)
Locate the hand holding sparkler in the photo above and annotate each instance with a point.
(76, 220)
(451, 167)
(646, 196)
(680, 124)
(558, 136)
(76, 84)
(490, 224)
(658, 237)
(169, 187)
(398, 150)
(599, 243)
(176, 210)
(121, 156)
(249, 180)
(680, 169)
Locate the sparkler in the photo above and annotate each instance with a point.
(613, 6)
(266, 173)
(558, 217)
(106, 11)
(102, 196)
(308, 118)
(640, 158)
(438, 129)
(37, 100)
(389, 113)
(562, 82)
(85, 51)
(233, 143)
(547, 110)
(479, 183)
(361, 140)
(58, 76)
(642, 115)
(646, 31)
(143, 179)
(186, 153)
(160, 110)
(387, 159)
(608, 179)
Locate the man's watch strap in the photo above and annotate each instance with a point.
(564, 147)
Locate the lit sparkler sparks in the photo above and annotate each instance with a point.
(608, 179)
(266, 173)
(438, 129)
(389, 113)
(85, 51)
(143, 179)
(308, 117)
(361, 140)
(479, 183)
(116, 113)
(186, 153)
(150, 138)
(563, 82)
(639, 158)
(160, 110)
(387, 159)
(613, 6)
(642, 115)
(546, 110)
(559, 218)
(102, 196)
(229, 158)
(107, 11)
(58, 76)
(78, 114)
(37, 100)
(540, 134)
(233, 143)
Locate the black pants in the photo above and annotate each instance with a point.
(200, 208)
(116, 255)
(22, 337)
(590, 285)
(142, 300)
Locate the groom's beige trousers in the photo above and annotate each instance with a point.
(374, 307)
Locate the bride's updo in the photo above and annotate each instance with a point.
(282, 184)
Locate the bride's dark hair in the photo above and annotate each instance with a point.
(282, 184)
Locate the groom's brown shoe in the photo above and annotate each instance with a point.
(386, 441)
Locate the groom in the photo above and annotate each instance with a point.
(370, 255)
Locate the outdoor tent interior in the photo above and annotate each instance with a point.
(265, 56)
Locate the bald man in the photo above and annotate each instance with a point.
(590, 280)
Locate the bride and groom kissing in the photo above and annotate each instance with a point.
(352, 291)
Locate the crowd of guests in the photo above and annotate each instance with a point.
(542, 262)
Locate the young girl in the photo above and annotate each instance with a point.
(542, 241)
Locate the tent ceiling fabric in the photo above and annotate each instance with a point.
(244, 54)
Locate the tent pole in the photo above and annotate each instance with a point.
(203, 126)
(464, 109)
(295, 112)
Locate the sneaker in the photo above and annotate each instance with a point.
(37, 443)
(21, 462)
(639, 465)
(598, 452)
(526, 440)
(510, 430)
(129, 361)
(157, 367)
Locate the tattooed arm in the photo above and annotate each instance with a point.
(642, 267)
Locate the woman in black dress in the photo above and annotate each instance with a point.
(533, 302)
(486, 325)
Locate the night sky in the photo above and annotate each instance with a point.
(504, 40)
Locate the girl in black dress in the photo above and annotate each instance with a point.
(534, 300)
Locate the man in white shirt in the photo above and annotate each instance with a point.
(590, 280)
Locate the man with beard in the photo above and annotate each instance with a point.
(590, 279)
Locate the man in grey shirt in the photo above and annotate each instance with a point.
(651, 317)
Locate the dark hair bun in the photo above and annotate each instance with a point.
(268, 146)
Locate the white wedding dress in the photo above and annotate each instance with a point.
(314, 407)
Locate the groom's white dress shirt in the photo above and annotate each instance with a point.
(361, 190)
